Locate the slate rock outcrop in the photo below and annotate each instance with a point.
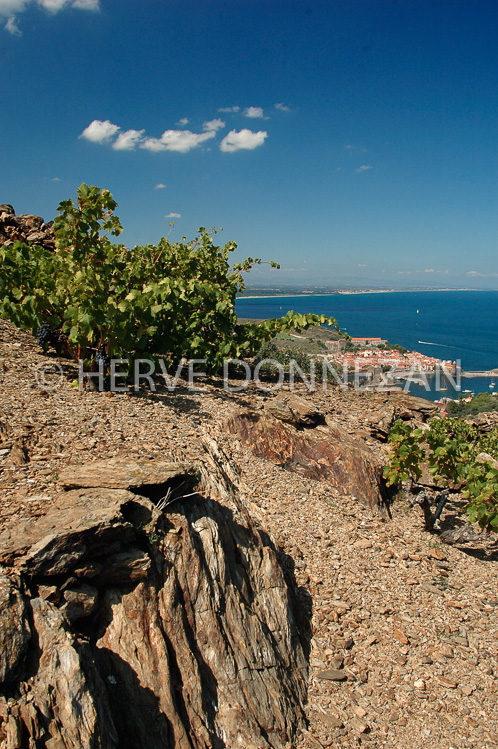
(126, 625)
(287, 434)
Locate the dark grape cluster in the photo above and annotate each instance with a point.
(46, 336)
(102, 356)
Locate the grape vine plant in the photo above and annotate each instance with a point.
(95, 299)
(457, 455)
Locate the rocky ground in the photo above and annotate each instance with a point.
(404, 628)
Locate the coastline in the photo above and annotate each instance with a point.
(351, 293)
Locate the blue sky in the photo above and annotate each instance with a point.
(353, 141)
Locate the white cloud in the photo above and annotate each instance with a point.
(100, 131)
(128, 140)
(153, 144)
(160, 186)
(213, 124)
(92, 5)
(53, 6)
(56, 179)
(184, 121)
(362, 265)
(282, 107)
(243, 139)
(173, 215)
(107, 133)
(254, 113)
(10, 8)
(12, 27)
(364, 168)
(181, 141)
(229, 109)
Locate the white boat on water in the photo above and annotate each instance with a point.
(492, 384)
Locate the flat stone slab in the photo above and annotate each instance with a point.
(332, 674)
(123, 474)
(79, 524)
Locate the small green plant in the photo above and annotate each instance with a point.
(407, 456)
(458, 456)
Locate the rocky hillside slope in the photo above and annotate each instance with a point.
(263, 595)
(25, 228)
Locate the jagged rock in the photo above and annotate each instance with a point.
(79, 602)
(66, 691)
(25, 228)
(462, 535)
(130, 565)
(380, 420)
(295, 410)
(326, 453)
(409, 407)
(134, 475)
(31, 222)
(191, 637)
(81, 525)
(14, 628)
(485, 422)
(18, 455)
(487, 458)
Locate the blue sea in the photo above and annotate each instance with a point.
(456, 325)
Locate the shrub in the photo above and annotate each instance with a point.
(102, 300)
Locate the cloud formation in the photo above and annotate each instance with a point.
(229, 109)
(173, 215)
(12, 27)
(11, 8)
(254, 113)
(104, 132)
(160, 186)
(181, 141)
(282, 107)
(100, 131)
(93, 5)
(128, 140)
(216, 124)
(242, 140)
(364, 168)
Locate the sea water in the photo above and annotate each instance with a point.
(456, 325)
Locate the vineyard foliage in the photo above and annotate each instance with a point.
(457, 455)
(174, 299)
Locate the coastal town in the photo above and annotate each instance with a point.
(369, 354)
